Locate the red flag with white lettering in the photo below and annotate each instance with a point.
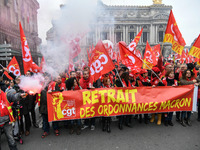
(138, 54)
(149, 57)
(128, 58)
(100, 62)
(26, 54)
(35, 68)
(157, 51)
(133, 44)
(13, 67)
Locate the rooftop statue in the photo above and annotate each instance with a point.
(157, 1)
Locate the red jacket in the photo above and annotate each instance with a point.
(86, 83)
(5, 107)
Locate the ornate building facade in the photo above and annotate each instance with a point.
(11, 12)
(123, 23)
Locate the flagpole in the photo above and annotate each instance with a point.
(1, 66)
(152, 71)
(119, 78)
(162, 47)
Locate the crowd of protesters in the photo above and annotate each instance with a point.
(169, 73)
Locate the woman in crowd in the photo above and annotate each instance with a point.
(72, 84)
(188, 78)
(169, 81)
(143, 80)
(106, 121)
(124, 83)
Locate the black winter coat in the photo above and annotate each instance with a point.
(43, 102)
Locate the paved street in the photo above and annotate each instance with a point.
(140, 137)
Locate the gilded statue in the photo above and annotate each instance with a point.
(157, 1)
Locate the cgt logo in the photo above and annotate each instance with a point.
(96, 66)
(69, 112)
(27, 52)
(14, 70)
(132, 46)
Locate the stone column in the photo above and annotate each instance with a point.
(156, 32)
(151, 34)
(127, 35)
(124, 33)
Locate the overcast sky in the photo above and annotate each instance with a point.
(186, 13)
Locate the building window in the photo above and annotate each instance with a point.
(145, 27)
(131, 36)
(144, 37)
(131, 27)
(118, 27)
(160, 36)
(160, 26)
(118, 36)
(104, 36)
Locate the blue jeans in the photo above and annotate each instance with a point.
(46, 125)
(8, 129)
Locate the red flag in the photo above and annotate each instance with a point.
(75, 47)
(183, 57)
(138, 54)
(35, 68)
(128, 58)
(177, 56)
(109, 47)
(157, 51)
(114, 56)
(101, 63)
(173, 35)
(189, 59)
(133, 44)
(195, 50)
(26, 54)
(71, 66)
(149, 57)
(13, 67)
(196, 59)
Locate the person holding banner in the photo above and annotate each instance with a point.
(124, 83)
(106, 121)
(143, 80)
(156, 82)
(87, 83)
(57, 86)
(72, 84)
(169, 81)
(188, 77)
(178, 76)
(43, 105)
